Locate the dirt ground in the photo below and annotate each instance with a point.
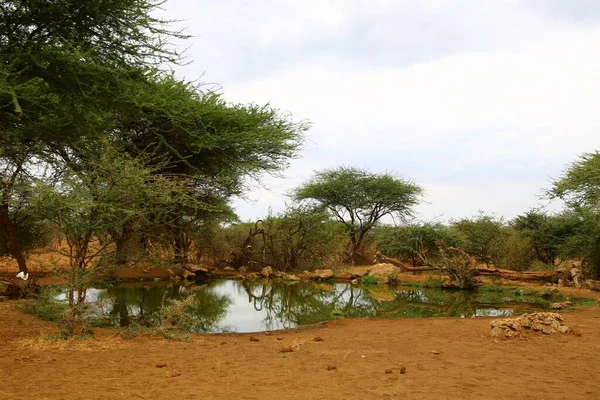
(350, 362)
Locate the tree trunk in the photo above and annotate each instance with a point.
(9, 233)
(127, 245)
(181, 248)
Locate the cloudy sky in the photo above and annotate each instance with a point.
(481, 102)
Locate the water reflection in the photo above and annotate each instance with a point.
(250, 306)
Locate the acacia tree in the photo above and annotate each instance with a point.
(479, 235)
(548, 233)
(213, 144)
(74, 73)
(359, 199)
(579, 188)
(85, 205)
(62, 68)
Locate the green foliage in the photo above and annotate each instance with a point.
(32, 231)
(359, 199)
(478, 235)
(512, 250)
(302, 238)
(547, 233)
(579, 187)
(46, 307)
(411, 243)
(369, 280)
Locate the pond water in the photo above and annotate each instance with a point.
(251, 306)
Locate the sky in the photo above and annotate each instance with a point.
(480, 102)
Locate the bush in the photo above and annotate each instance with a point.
(369, 280)
(512, 250)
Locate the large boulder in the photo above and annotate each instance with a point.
(385, 273)
(322, 274)
(290, 277)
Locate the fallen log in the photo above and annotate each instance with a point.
(18, 289)
(380, 258)
(551, 276)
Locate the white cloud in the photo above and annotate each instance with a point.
(480, 102)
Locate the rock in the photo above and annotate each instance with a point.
(318, 339)
(228, 269)
(307, 275)
(435, 352)
(402, 369)
(544, 322)
(385, 273)
(242, 269)
(187, 274)
(290, 277)
(323, 274)
(266, 272)
(331, 368)
(286, 349)
(253, 339)
(146, 271)
(279, 274)
(359, 274)
(197, 269)
(560, 306)
(388, 371)
(252, 275)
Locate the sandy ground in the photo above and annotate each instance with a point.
(349, 363)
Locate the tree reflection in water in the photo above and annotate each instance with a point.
(124, 305)
(248, 306)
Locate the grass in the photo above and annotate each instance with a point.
(369, 280)
(584, 302)
(431, 283)
(46, 308)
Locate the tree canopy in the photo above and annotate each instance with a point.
(79, 77)
(359, 199)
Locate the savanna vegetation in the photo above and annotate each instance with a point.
(106, 152)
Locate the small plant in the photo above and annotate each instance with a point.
(392, 279)
(46, 307)
(369, 280)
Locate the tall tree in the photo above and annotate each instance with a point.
(478, 235)
(61, 64)
(359, 199)
(579, 188)
(75, 73)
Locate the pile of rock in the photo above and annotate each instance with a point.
(384, 273)
(544, 322)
